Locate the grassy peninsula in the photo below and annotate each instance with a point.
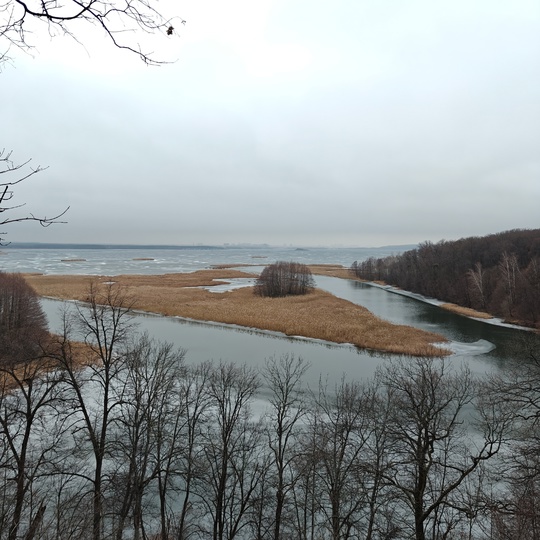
(318, 315)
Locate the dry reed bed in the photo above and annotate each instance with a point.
(332, 270)
(467, 312)
(318, 315)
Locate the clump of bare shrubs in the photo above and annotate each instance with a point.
(284, 279)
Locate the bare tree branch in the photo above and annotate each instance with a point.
(117, 18)
(120, 20)
(9, 168)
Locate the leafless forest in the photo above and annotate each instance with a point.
(499, 273)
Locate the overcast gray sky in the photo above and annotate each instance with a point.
(355, 123)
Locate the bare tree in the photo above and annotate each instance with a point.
(196, 406)
(476, 280)
(97, 390)
(342, 430)
(148, 429)
(381, 506)
(432, 451)
(306, 491)
(122, 22)
(509, 272)
(231, 449)
(515, 509)
(29, 433)
(532, 276)
(284, 376)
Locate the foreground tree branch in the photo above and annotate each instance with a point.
(121, 21)
(118, 19)
(11, 175)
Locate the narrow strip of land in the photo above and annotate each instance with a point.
(318, 315)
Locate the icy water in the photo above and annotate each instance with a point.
(159, 260)
(482, 346)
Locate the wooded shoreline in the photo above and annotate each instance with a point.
(318, 315)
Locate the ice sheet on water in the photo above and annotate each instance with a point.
(114, 260)
(476, 348)
(232, 283)
(434, 302)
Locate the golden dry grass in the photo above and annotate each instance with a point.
(467, 312)
(318, 315)
(332, 270)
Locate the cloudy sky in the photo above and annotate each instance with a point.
(354, 123)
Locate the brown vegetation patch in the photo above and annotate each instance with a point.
(467, 312)
(332, 270)
(13, 375)
(76, 287)
(318, 315)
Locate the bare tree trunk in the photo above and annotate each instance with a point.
(476, 278)
(509, 270)
(196, 405)
(230, 450)
(36, 523)
(284, 377)
(27, 392)
(104, 325)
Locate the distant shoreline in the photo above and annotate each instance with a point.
(72, 245)
(36, 245)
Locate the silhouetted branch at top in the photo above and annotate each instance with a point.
(8, 170)
(117, 18)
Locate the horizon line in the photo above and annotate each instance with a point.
(225, 245)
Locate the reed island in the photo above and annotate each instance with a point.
(317, 315)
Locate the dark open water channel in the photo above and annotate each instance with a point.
(482, 346)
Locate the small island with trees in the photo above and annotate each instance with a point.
(284, 279)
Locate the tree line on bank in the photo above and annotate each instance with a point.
(105, 433)
(499, 273)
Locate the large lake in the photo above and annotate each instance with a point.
(158, 260)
